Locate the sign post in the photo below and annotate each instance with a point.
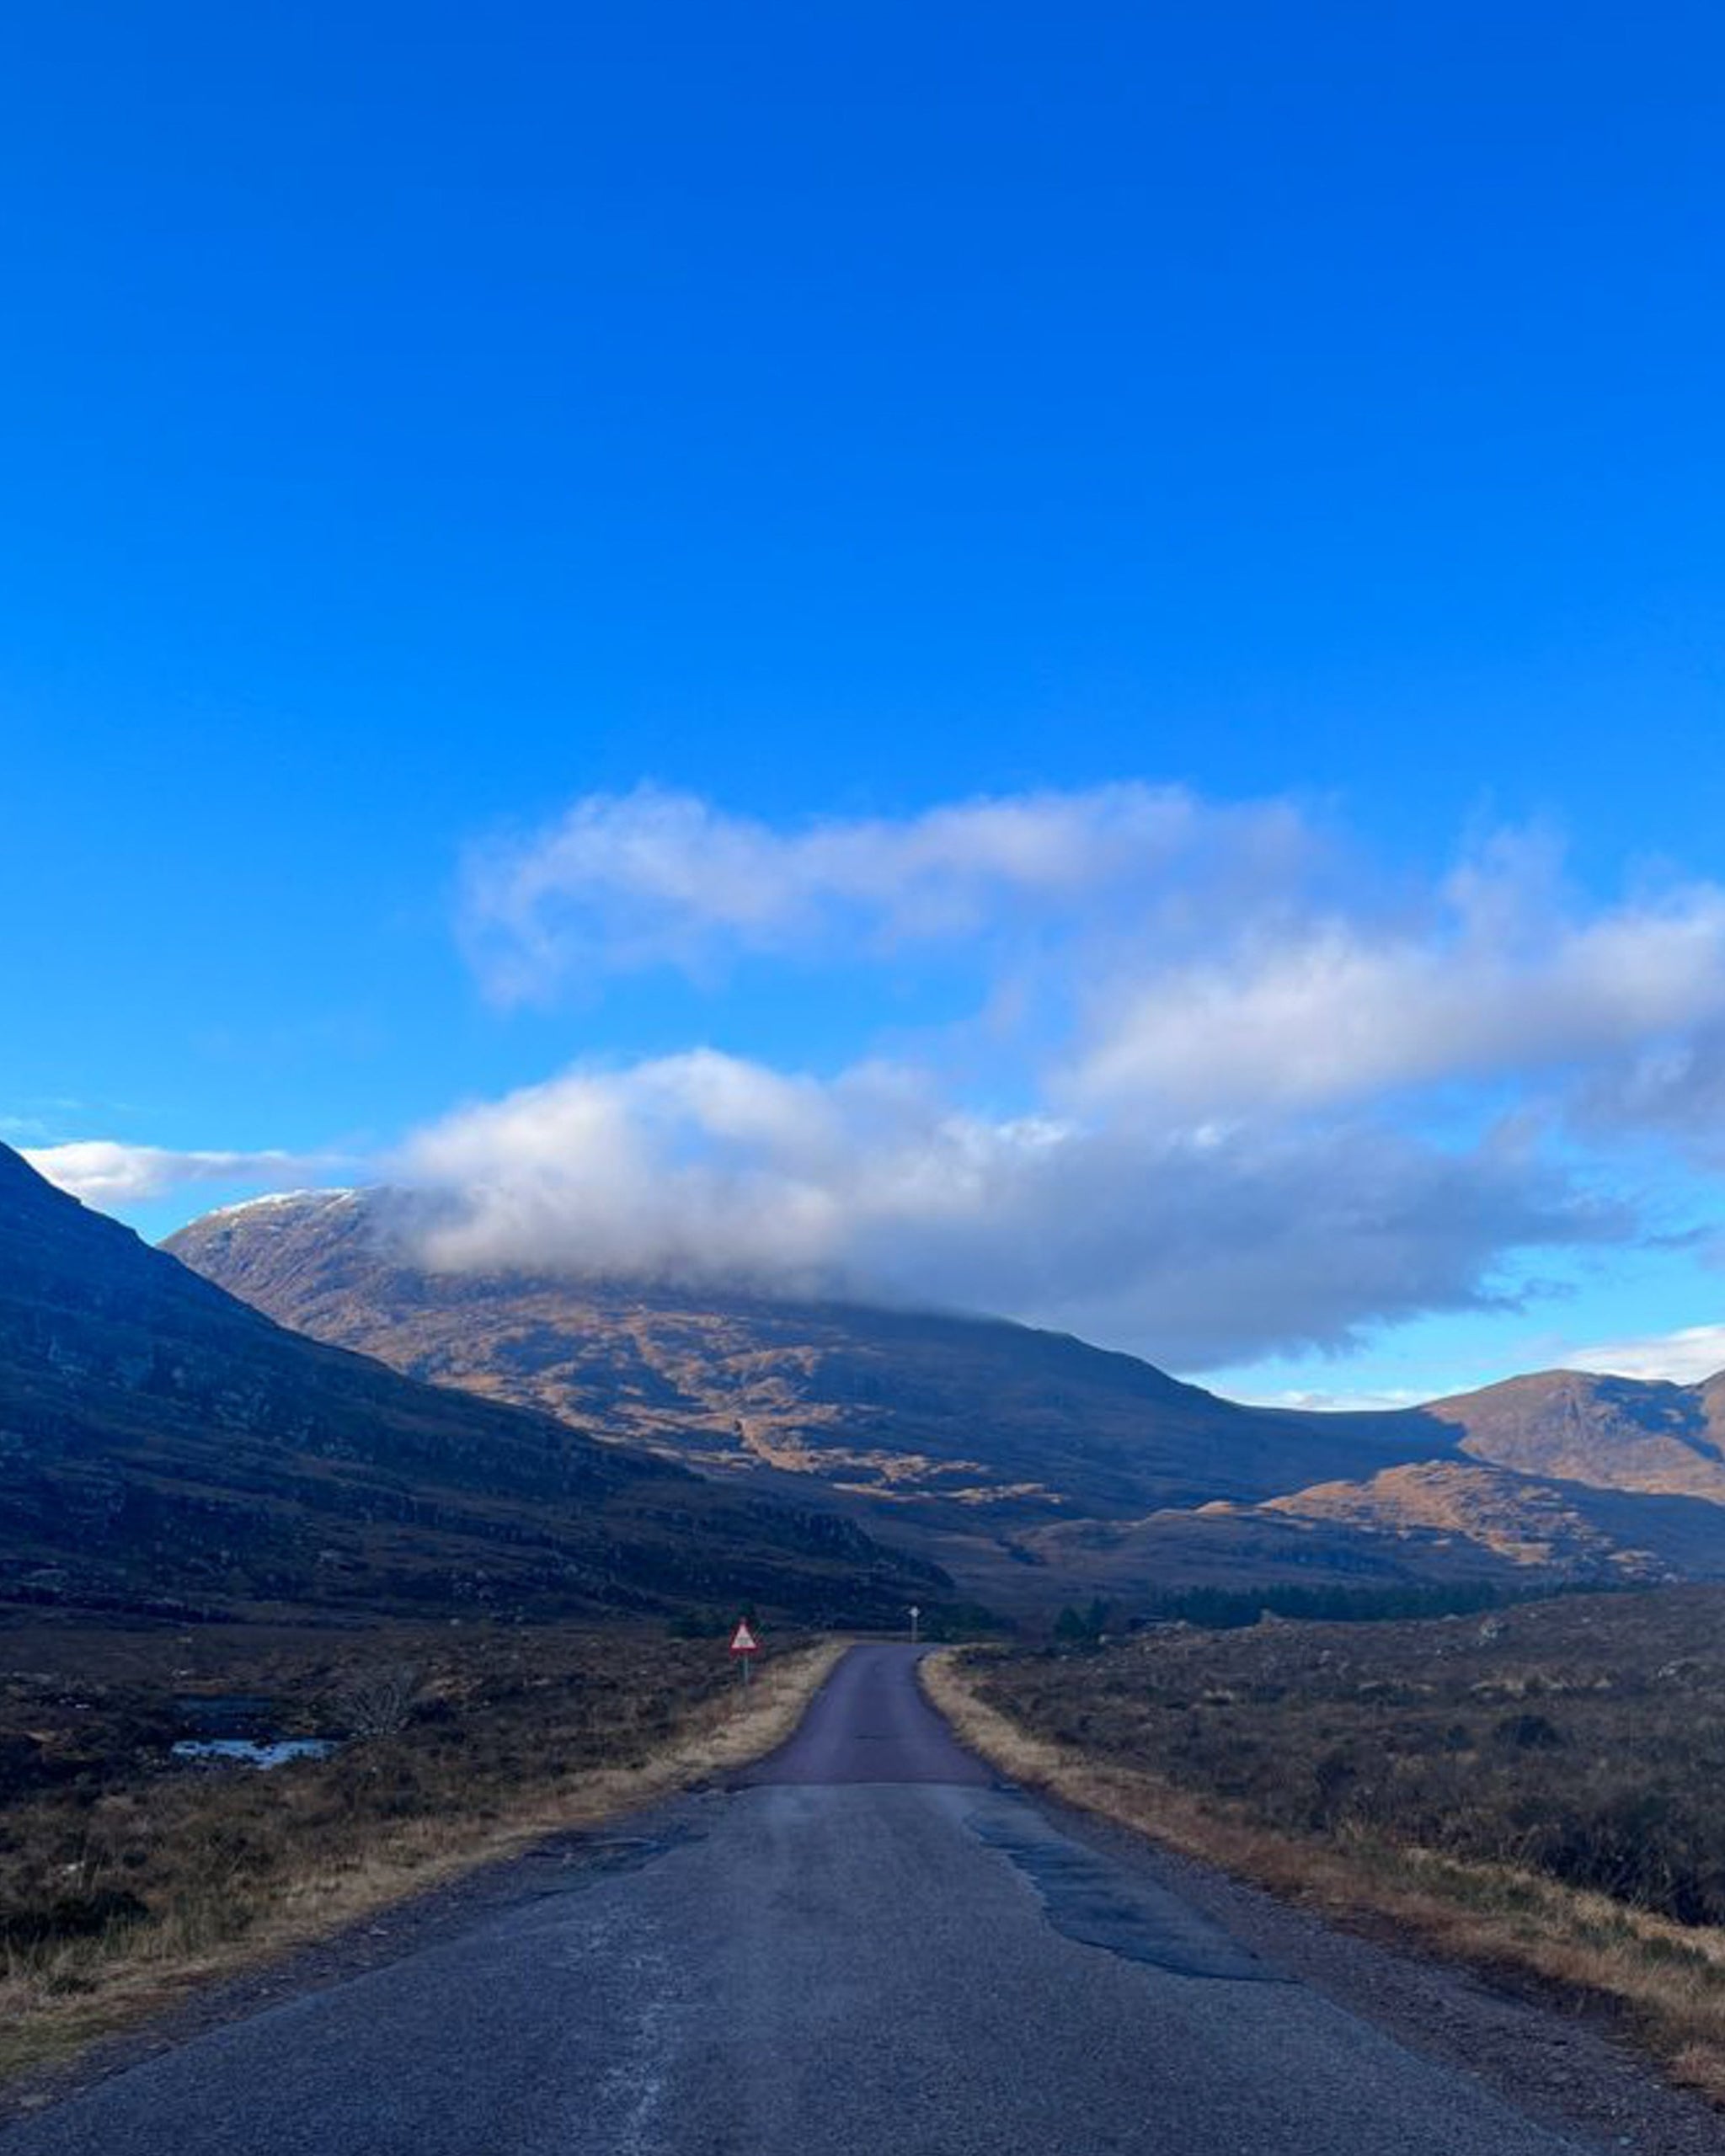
(744, 1647)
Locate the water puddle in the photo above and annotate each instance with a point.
(240, 1729)
(251, 1751)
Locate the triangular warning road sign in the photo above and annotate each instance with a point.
(743, 1641)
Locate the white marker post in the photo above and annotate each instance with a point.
(744, 1647)
(916, 1620)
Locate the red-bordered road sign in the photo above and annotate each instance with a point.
(743, 1641)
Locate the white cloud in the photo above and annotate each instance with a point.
(1685, 1357)
(103, 1171)
(1496, 979)
(1168, 955)
(650, 878)
(1197, 1247)
(1392, 1401)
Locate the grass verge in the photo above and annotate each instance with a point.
(1665, 1981)
(126, 1881)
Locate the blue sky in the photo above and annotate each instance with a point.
(1271, 454)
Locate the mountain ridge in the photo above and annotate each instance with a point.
(1023, 1460)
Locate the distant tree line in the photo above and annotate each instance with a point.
(1217, 1608)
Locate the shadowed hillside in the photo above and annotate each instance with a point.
(163, 1445)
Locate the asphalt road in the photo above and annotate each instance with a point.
(866, 1946)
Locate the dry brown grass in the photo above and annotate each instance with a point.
(1665, 1979)
(131, 1882)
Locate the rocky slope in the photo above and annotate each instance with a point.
(949, 1416)
(1604, 1433)
(1027, 1462)
(163, 1444)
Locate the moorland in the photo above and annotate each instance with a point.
(1538, 1788)
(131, 1868)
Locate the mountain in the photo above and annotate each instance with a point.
(163, 1445)
(1606, 1432)
(1528, 1521)
(944, 1415)
(1026, 1462)
(1581, 1478)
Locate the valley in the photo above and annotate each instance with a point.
(330, 1577)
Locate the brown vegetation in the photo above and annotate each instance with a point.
(126, 1875)
(1029, 1466)
(1541, 1788)
(973, 1424)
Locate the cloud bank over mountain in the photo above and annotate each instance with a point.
(1211, 1079)
(1211, 1243)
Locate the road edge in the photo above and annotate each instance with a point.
(1313, 1886)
